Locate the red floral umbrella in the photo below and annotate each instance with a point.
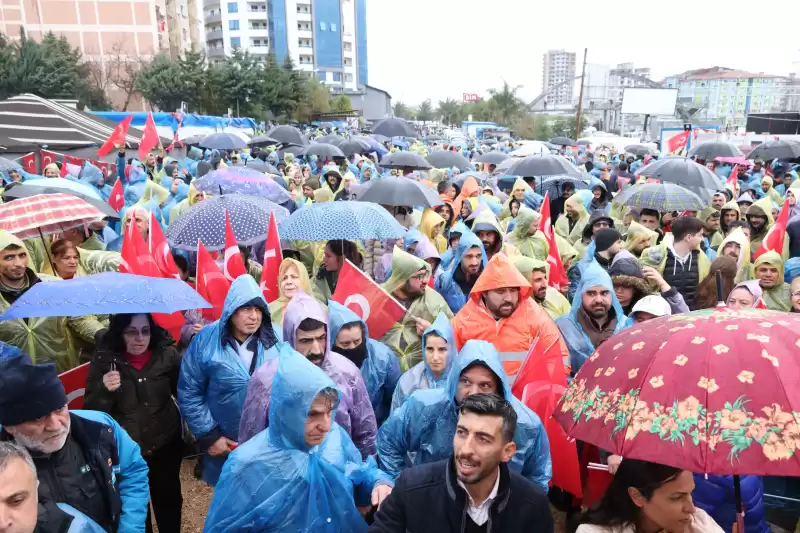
(713, 391)
(45, 214)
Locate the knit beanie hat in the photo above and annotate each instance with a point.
(28, 391)
(604, 238)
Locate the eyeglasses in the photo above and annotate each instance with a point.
(420, 277)
(133, 332)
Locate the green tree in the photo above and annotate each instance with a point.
(192, 81)
(162, 85)
(277, 92)
(565, 126)
(506, 104)
(242, 84)
(450, 111)
(212, 99)
(341, 103)
(401, 110)
(425, 111)
(297, 83)
(317, 100)
(533, 127)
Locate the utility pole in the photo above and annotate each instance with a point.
(580, 98)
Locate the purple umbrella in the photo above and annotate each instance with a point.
(243, 180)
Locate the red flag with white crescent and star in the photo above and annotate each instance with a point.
(211, 283)
(273, 256)
(557, 274)
(234, 264)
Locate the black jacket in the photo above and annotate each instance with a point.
(144, 404)
(428, 498)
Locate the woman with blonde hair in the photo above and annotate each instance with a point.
(292, 277)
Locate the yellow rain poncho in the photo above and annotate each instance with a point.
(574, 234)
(183, 206)
(566, 251)
(323, 195)
(533, 245)
(777, 298)
(554, 302)
(638, 238)
(278, 307)
(519, 189)
(771, 193)
(763, 207)
(720, 235)
(403, 338)
(432, 226)
(743, 263)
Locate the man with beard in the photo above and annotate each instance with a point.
(305, 328)
(535, 271)
(759, 220)
(84, 458)
(718, 200)
(488, 230)
(469, 260)
(476, 478)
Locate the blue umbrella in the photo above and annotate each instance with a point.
(106, 293)
(340, 220)
(67, 186)
(243, 180)
(205, 221)
(553, 185)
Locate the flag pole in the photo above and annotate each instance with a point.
(580, 98)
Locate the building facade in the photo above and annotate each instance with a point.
(558, 68)
(373, 103)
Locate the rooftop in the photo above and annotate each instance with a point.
(717, 73)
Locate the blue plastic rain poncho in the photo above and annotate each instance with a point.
(424, 426)
(579, 345)
(458, 230)
(419, 376)
(354, 413)
(93, 177)
(447, 285)
(6, 175)
(213, 380)
(380, 369)
(275, 483)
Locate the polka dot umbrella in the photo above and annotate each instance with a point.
(205, 221)
(340, 220)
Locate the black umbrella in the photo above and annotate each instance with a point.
(263, 140)
(380, 138)
(480, 177)
(30, 188)
(554, 185)
(493, 158)
(544, 165)
(549, 145)
(448, 159)
(223, 141)
(322, 150)
(262, 166)
(353, 146)
(638, 149)
(295, 149)
(683, 171)
(583, 142)
(712, 150)
(288, 134)
(394, 127)
(562, 141)
(194, 139)
(410, 160)
(7, 164)
(431, 138)
(399, 191)
(335, 140)
(776, 150)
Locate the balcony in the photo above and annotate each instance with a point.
(215, 35)
(208, 4)
(216, 51)
(213, 18)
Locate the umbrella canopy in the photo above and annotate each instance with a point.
(448, 159)
(712, 150)
(562, 141)
(335, 140)
(480, 177)
(544, 165)
(638, 149)
(394, 127)
(353, 146)
(261, 166)
(431, 138)
(531, 148)
(205, 221)
(223, 141)
(380, 138)
(492, 158)
(661, 197)
(410, 160)
(242, 180)
(108, 293)
(7, 164)
(776, 150)
(322, 150)
(553, 185)
(583, 142)
(64, 185)
(741, 161)
(263, 140)
(46, 214)
(340, 220)
(33, 188)
(503, 167)
(194, 139)
(712, 391)
(399, 191)
(288, 134)
(295, 149)
(683, 171)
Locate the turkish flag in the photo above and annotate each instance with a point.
(273, 256)
(775, 238)
(149, 137)
(117, 197)
(74, 382)
(211, 283)
(558, 275)
(103, 166)
(160, 250)
(116, 138)
(368, 300)
(678, 142)
(29, 163)
(47, 158)
(71, 166)
(732, 184)
(233, 264)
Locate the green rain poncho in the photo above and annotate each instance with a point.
(402, 338)
(771, 193)
(777, 298)
(578, 202)
(554, 302)
(763, 207)
(530, 245)
(719, 236)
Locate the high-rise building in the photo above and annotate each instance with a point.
(558, 74)
(626, 75)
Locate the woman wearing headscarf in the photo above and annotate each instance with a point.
(292, 276)
(433, 226)
(746, 295)
(51, 171)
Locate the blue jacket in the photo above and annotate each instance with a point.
(714, 495)
(380, 369)
(579, 345)
(275, 482)
(424, 426)
(419, 376)
(459, 228)
(446, 285)
(213, 380)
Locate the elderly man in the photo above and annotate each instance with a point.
(84, 458)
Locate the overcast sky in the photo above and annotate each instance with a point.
(436, 49)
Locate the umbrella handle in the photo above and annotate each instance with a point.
(721, 301)
(737, 491)
(47, 251)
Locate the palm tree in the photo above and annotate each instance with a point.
(425, 111)
(450, 111)
(506, 103)
(401, 110)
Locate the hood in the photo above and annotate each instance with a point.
(8, 239)
(524, 219)
(431, 219)
(411, 237)
(753, 287)
(340, 316)
(741, 239)
(593, 219)
(467, 241)
(638, 234)
(526, 265)
(625, 270)
(404, 265)
(762, 208)
(305, 282)
(487, 221)
(592, 276)
(442, 327)
(459, 228)
(470, 188)
(767, 180)
(244, 290)
(603, 192)
(297, 382)
(707, 212)
(300, 307)
(520, 185)
(771, 258)
(426, 250)
(745, 197)
(91, 174)
(580, 201)
(477, 351)
(500, 272)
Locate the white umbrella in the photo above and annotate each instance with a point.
(529, 149)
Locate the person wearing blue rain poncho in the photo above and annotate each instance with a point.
(93, 177)
(595, 316)
(468, 262)
(438, 354)
(217, 367)
(378, 364)
(453, 237)
(302, 473)
(424, 426)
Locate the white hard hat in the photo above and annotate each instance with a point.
(653, 304)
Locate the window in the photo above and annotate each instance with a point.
(348, 47)
(322, 75)
(233, 7)
(236, 42)
(337, 76)
(348, 77)
(233, 24)
(323, 26)
(333, 26)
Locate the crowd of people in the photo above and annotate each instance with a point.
(304, 422)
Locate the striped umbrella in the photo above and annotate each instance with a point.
(661, 197)
(46, 214)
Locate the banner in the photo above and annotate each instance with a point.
(74, 382)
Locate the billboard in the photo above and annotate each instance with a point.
(649, 101)
(470, 97)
